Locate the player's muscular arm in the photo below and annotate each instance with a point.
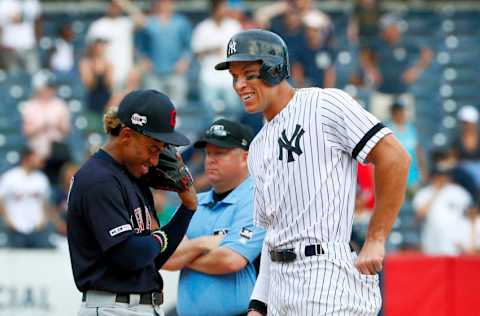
(189, 250)
(219, 261)
(391, 168)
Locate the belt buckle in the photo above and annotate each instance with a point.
(157, 298)
(289, 255)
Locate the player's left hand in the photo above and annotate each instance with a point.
(370, 258)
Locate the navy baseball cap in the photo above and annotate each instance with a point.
(226, 134)
(151, 113)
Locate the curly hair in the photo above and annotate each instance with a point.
(111, 123)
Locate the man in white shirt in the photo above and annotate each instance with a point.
(209, 39)
(45, 118)
(442, 204)
(118, 31)
(24, 195)
(18, 42)
(468, 233)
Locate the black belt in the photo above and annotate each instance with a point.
(152, 298)
(289, 255)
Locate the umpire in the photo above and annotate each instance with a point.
(116, 245)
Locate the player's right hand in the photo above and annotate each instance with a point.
(370, 258)
(189, 198)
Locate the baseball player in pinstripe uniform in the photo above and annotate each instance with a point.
(303, 162)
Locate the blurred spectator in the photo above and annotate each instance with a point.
(118, 31)
(238, 11)
(46, 120)
(60, 197)
(285, 19)
(364, 204)
(406, 134)
(313, 64)
(62, 58)
(447, 158)
(197, 168)
(363, 25)
(468, 238)
(168, 52)
(392, 66)
(466, 145)
(18, 20)
(365, 187)
(96, 73)
(165, 205)
(24, 195)
(441, 204)
(209, 40)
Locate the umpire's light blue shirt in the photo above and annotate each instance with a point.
(226, 294)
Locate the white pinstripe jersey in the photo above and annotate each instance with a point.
(304, 164)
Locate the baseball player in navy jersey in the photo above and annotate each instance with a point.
(116, 245)
(303, 162)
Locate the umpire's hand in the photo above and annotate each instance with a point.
(370, 258)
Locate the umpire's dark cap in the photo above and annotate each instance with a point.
(151, 113)
(226, 134)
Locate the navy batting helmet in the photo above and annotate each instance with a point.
(260, 45)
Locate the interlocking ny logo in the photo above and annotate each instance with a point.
(286, 143)
(232, 48)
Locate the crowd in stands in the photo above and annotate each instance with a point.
(159, 47)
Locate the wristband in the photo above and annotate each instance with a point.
(162, 239)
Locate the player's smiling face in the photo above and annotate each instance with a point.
(250, 88)
(140, 153)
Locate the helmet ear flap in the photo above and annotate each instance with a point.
(273, 74)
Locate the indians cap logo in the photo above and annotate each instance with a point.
(138, 119)
(173, 118)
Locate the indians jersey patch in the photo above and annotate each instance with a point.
(120, 229)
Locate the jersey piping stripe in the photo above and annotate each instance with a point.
(366, 138)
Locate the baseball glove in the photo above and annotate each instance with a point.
(170, 174)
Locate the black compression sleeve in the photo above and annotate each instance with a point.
(175, 230)
(145, 249)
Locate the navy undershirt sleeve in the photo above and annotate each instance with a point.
(175, 231)
(145, 249)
